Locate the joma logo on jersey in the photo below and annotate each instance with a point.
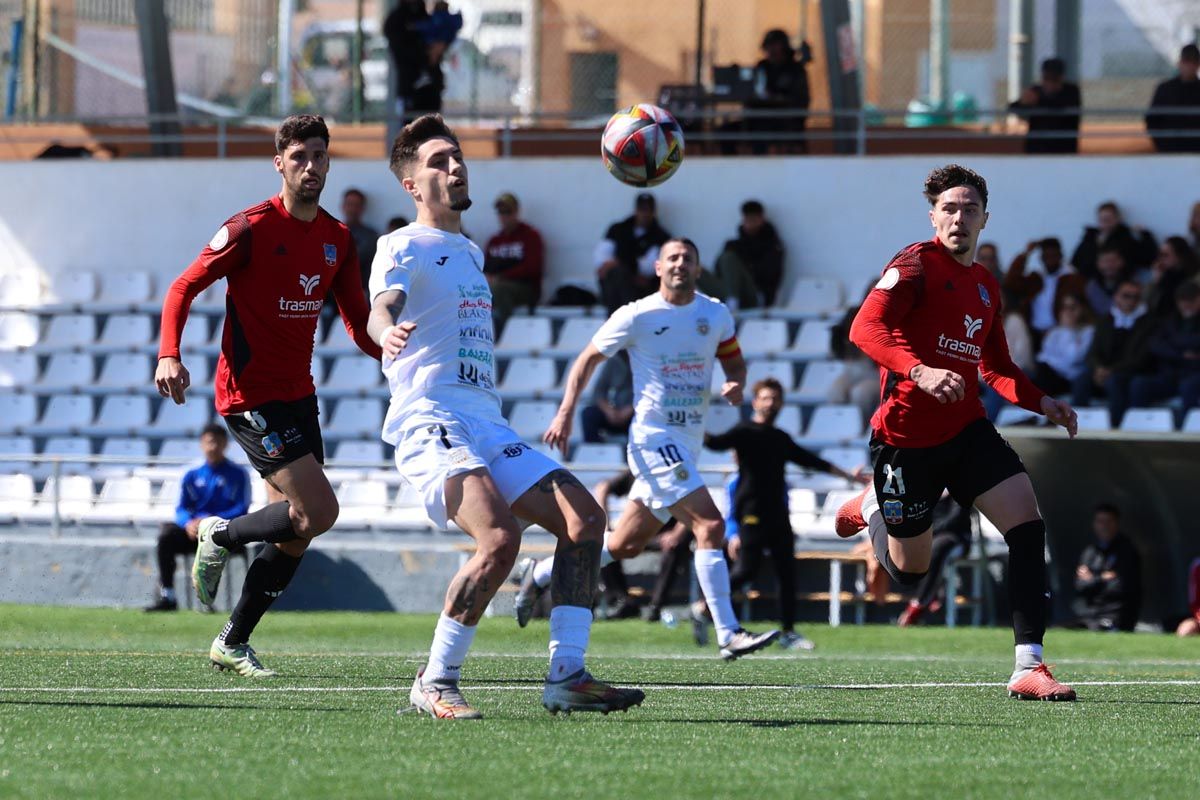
(972, 325)
(308, 283)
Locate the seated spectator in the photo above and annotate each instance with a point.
(1191, 625)
(1118, 351)
(396, 223)
(1194, 227)
(625, 256)
(1179, 94)
(513, 262)
(1138, 245)
(611, 409)
(354, 207)
(1063, 355)
(1175, 348)
(1038, 293)
(1108, 580)
(858, 384)
(1020, 347)
(1176, 263)
(216, 488)
(1052, 110)
(751, 266)
(988, 255)
(780, 85)
(1111, 270)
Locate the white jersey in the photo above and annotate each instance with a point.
(671, 351)
(448, 362)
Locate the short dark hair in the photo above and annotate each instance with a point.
(1108, 205)
(1052, 242)
(1106, 508)
(299, 128)
(1187, 291)
(684, 241)
(1190, 52)
(412, 136)
(753, 207)
(1110, 248)
(1055, 67)
(215, 429)
(951, 176)
(357, 192)
(766, 383)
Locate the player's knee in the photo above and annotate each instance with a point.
(588, 528)
(623, 550)
(710, 534)
(312, 521)
(499, 550)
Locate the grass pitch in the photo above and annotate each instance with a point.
(100, 703)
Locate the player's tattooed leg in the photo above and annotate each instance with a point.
(558, 479)
(576, 572)
(469, 595)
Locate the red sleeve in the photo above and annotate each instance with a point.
(884, 310)
(530, 267)
(1002, 374)
(352, 301)
(228, 250)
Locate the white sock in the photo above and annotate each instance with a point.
(451, 641)
(713, 574)
(543, 569)
(1028, 656)
(168, 593)
(570, 628)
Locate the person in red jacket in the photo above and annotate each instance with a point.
(933, 324)
(513, 262)
(279, 258)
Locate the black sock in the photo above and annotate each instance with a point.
(270, 523)
(1027, 592)
(266, 579)
(879, 541)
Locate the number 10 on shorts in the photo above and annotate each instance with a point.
(670, 454)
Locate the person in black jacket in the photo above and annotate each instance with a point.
(760, 500)
(1118, 351)
(1052, 110)
(1108, 580)
(751, 266)
(1180, 94)
(1138, 245)
(780, 85)
(625, 257)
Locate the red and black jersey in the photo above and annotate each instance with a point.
(279, 269)
(929, 309)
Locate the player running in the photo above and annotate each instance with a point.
(672, 337)
(280, 257)
(933, 324)
(432, 315)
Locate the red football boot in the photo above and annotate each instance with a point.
(1039, 684)
(849, 519)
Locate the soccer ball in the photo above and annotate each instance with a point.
(642, 145)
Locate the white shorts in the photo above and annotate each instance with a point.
(437, 445)
(664, 473)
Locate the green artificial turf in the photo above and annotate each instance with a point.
(101, 703)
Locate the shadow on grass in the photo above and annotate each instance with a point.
(159, 705)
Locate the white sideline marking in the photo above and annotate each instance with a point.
(659, 687)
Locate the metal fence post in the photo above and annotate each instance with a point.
(56, 520)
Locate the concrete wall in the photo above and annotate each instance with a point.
(842, 217)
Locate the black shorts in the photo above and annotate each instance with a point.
(909, 480)
(277, 433)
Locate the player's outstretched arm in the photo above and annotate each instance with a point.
(559, 432)
(384, 326)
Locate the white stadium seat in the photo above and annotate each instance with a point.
(74, 286)
(352, 450)
(134, 449)
(22, 287)
(16, 496)
(529, 377)
(1148, 420)
(817, 380)
(212, 299)
(124, 371)
(362, 502)
(575, 335)
(17, 411)
(186, 449)
(524, 335)
(851, 459)
(763, 337)
(65, 414)
(779, 370)
(721, 416)
(122, 500)
(181, 420)
(196, 332)
(127, 330)
(123, 414)
(789, 420)
(70, 330)
(17, 330)
(356, 418)
(530, 419)
(815, 296)
(1191, 422)
(812, 340)
(1014, 415)
(66, 447)
(1094, 419)
(125, 288)
(16, 446)
(18, 369)
(834, 424)
(353, 373)
(594, 454)
(802, 501)
(67, 371)
(75, 498)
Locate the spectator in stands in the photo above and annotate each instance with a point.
(1181, 95)
(1063, 355)
(1052, 111)
(952, 530)
(402, 27)
(1020, 347)
(396, 223)
(1038, 294)
(1176, 263)
(1111, 270)
(988, 255)
(1191, 625)
(1175, 347)
(1108, 580)
(216, 488)
(1118, 351)
(611, 409)
(751, 266)
(625, 257)
(1194, 227)
(354, 206)
(780, 85)
(1138, 245)
(514, 261)
(858, 383)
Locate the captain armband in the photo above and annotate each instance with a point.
(729, 348)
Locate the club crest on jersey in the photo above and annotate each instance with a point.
(984, 296)
(702, 326)
(331, 255)
(893, 512)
